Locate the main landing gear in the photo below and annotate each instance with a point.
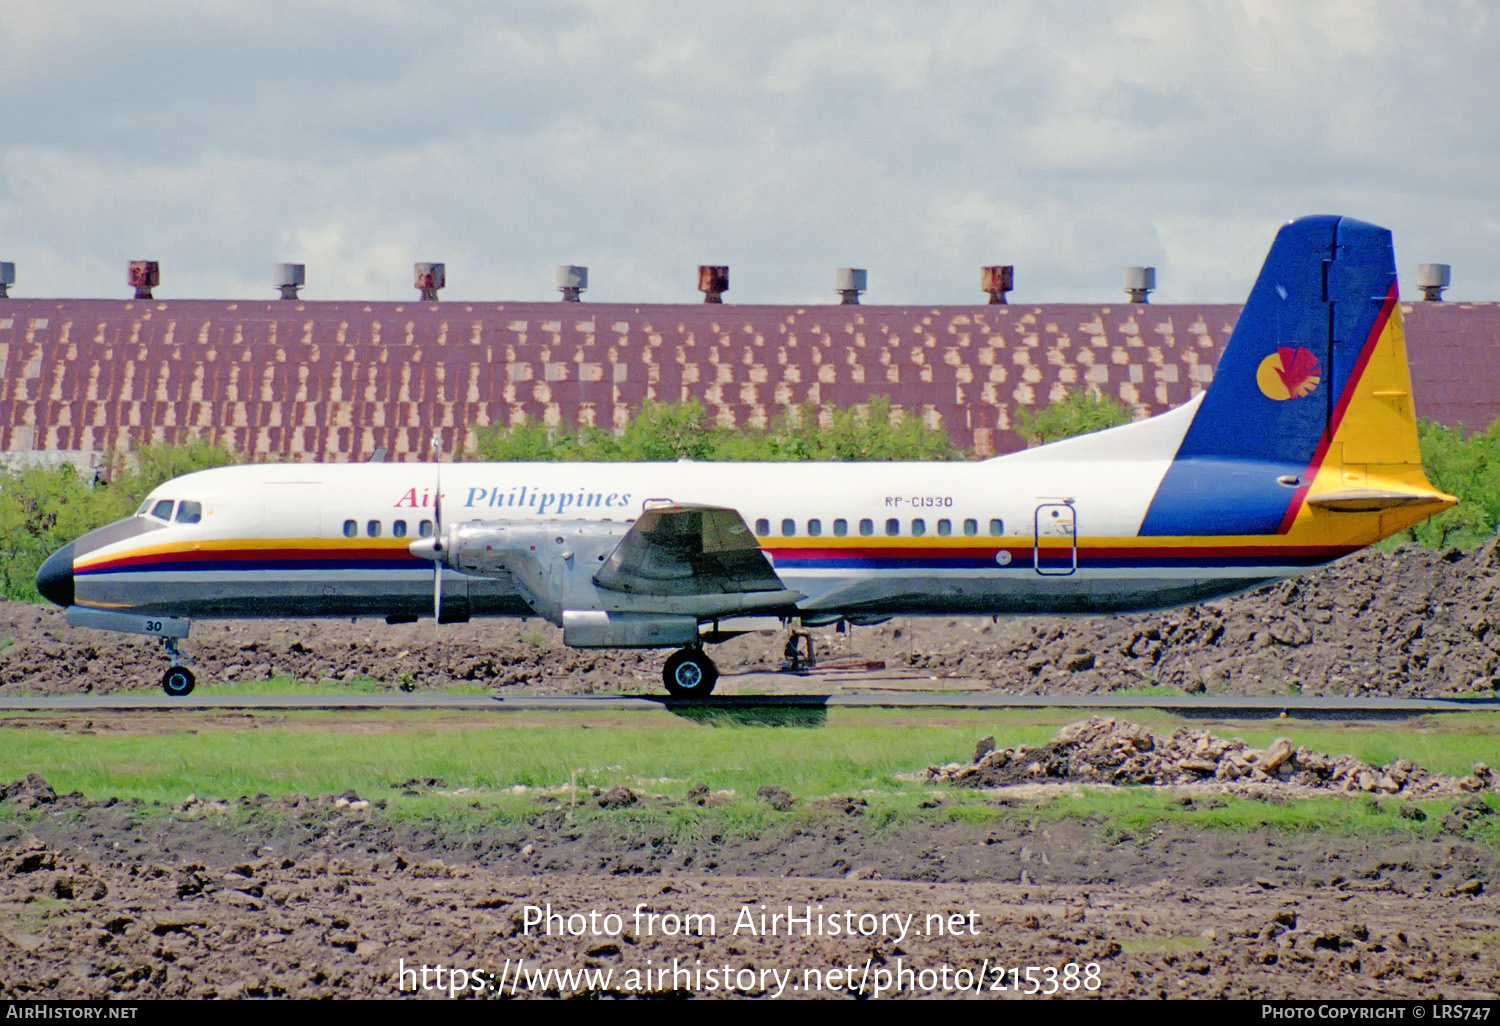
(177, 682)
(690, 673)
(797, 657)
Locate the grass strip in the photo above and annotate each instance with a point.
(496, 769)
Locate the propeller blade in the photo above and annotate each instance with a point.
(437, 511)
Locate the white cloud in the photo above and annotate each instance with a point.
(646, 136)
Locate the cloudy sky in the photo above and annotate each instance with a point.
(920, 140)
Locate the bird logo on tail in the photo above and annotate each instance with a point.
(1289, 373)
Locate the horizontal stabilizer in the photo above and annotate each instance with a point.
(1369, 500)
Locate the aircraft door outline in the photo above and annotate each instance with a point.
(1052, 522)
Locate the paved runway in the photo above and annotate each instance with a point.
(1191, 705)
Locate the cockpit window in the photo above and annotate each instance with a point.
(189, 512)
(163, 509)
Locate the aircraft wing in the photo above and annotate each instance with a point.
(688, 550)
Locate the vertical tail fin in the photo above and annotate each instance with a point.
(1312, 396)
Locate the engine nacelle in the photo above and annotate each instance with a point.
(548, 562)
(598, 628)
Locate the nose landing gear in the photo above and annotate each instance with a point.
(177, 682)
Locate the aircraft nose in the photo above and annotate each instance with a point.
(55, 579)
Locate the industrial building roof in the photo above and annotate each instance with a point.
(339, 380)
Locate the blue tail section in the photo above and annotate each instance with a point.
(1285, 378)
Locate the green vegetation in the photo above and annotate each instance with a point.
(323, 752)
(1178, 944)
(1136, 813)
(42, 509)
(1079, 414)
(288, 685)
(1149, 691)
(671, 431)
(1468, 468)
(500, 766)
(284, 684)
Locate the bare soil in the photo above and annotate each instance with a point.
(319, 897)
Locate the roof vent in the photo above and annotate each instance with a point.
(713, 282)
(289, 278)
(7, 278)
(430, 278)
(145, 275)
(997, 281)
(849, 282)
(572, 280)
(1140, 282)
(1432, 279)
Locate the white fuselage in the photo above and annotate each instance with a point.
(1049, 530)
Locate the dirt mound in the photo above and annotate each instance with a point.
(46, 656)
(29, 792)
(1413, 623)
(1110, 751)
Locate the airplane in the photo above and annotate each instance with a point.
(1302, 450)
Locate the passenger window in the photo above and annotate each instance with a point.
(945, 528)
(424, 529)
(351, 529)
(788, 528)
(398, 529)
(373, 528)
(866, 528)
(997, 527)
(893, 527)
(814, 528)
(840, 528)
(762, 527)
(189, 512)
(918, 528)
(971, 528)
(163, 509)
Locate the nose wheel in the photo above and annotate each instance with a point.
(178, 682)
(690, 673)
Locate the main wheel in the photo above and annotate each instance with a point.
(690, 673)
(178, 682)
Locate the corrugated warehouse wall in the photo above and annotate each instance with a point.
(338, 380)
